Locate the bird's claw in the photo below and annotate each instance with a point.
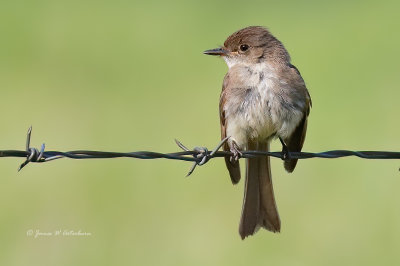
(285, 154)
(285, 151)
(236, 153)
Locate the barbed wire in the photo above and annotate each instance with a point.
(199, 155)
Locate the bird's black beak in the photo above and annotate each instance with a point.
(216, 51)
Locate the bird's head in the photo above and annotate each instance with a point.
(250, 45)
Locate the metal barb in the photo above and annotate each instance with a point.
(39, 158)
(28, 138)
(191, 169)
(201, 154)
(222, 142)
(34, 155)
(183, 147)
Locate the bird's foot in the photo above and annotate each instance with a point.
(285, 151)
(236, 152)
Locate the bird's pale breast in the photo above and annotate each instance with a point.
(258, 108)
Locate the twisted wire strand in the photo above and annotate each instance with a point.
(199, 155)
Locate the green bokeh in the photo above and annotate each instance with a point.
(125, 76)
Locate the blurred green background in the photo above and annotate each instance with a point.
(127, 76)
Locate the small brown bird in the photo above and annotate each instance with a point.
(263, 97)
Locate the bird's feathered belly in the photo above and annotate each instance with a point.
(260, 111)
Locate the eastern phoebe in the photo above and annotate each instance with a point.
(263, 97)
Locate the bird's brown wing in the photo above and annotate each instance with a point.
(295, 143)
(233, 167)
(296, 140)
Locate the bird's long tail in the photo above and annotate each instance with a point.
(259, 207)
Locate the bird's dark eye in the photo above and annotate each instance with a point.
(244, 47)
